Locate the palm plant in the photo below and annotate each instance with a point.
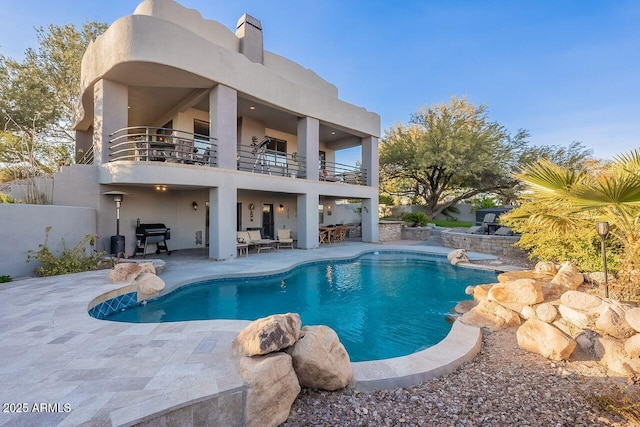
(565, 199)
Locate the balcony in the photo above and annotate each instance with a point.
(341, 173)
(153, 144)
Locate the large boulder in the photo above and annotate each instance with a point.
(481, 292)
(491, 315)
(568, 276)
(320, 360)
(266, 335)
(126, 272)
(510, 276)
(546, 312)
(581, 319)
(612, 354)
(521, 291)
(542, 338)
(632, 346)
(612, 322)
(272, 388)
(546, 267)
(581, 300)
(632, 316)
(149, 284)
(464, 306)
(457, 256)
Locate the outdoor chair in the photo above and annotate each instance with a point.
(504, 231)
(284, 238)
(488, 220)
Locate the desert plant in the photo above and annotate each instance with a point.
(6, 198)
(5, 278)
(417, 219)
(68, 260)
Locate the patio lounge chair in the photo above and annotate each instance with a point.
(489, 219)
(284, 238)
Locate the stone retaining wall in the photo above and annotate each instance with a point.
(398, 230)
(486, 244)
(416, 233)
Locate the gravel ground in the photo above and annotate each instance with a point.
(502, 386)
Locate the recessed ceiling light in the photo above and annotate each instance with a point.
(252, 107)
(333, 133)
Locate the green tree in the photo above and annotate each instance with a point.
(37, 100)
(568, 201)
(449, 153)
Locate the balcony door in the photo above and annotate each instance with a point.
(267, 220)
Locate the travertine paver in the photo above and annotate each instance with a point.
(97, 372)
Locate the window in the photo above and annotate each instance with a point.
(167, 129)
(201, 131)
(276, 153)
(322, 155)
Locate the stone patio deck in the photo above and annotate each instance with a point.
(108, 373)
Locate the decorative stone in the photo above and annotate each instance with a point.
(542, 338)
(546, 312)
(267, 335)
(464, 306)
(612, 354)
(632, 346)
(510, 276)
(128, 271)
(469, 290)
(586, 341)
(457, 256)
(632, 317)
(580, 300)
(149, 283)
(491, 315)
(568, 276)
(527, 312)
(320, 360)
(612, 322)
(546, 267)
(521, 291)
(272, 388)
(568, 328)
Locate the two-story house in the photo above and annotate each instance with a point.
(205, 131)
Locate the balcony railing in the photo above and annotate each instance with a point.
(346, 174)
(271, 162)
(153, 144)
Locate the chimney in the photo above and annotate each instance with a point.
(249, 31)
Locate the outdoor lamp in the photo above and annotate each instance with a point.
(194, 205)
(602, 227)
(117, 241)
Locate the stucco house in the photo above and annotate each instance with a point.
(205, 131)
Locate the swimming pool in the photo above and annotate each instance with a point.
(381, 304)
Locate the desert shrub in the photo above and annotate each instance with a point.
(6, 198)
(483, 203)
(385, 199)
(580, 244)
(417, 219)
(73, 260)
(5, 278)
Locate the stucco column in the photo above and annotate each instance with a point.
(110, 113)
(223, 116)
(309, 146)
(370, 160)
(370, 220)
(308, 220)
(222, 222)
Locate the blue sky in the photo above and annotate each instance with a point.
(565, 70)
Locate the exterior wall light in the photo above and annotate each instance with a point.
(602, 227)
(194, 205)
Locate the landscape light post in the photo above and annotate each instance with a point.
(602, 227)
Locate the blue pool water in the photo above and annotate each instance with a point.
(382, 305)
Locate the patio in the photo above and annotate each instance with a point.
(121, 374)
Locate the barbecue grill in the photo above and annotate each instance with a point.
(152, 233)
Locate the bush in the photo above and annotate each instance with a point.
(74, 260)
(417, 219)
(385, 199)
(5, 278)
(6, 198)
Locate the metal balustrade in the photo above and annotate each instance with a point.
(153, 144)
(338, 172)
(261, 160)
